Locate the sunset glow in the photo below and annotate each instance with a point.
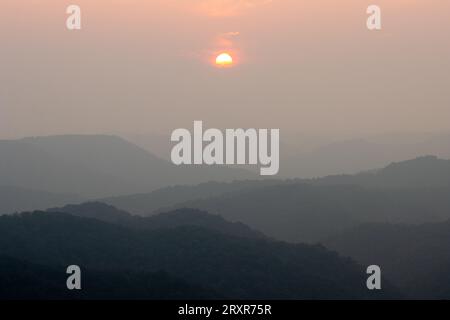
(224, 60)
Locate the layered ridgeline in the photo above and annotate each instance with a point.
(414, 257)
(221, 264)
(172, 219)
(96, 166)
(413, 191)
(158, 200)
(421, 172)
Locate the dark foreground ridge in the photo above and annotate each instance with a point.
(228, 266)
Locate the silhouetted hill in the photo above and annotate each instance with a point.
(194, 217)
(96, 166)
(21, 280)
(172, 219)
(15, 199)
(416, 258)
(427, 171)
(99, 211)
(231, 266)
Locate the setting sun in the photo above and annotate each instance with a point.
(224, 60)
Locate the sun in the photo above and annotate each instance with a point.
(224, 60)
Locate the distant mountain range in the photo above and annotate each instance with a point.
(353, 156)
(422, 172)
(96, 166)
(225, 265)
(297, 210)
(311, 157)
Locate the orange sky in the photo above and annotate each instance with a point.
(309, 66)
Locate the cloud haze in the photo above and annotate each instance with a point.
(224, 8)
(304, 66)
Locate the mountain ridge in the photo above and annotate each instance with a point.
(233, 267)
(170, 219)
(94, 166)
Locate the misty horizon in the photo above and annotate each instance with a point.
(317, 72)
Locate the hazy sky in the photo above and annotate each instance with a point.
(146, 66)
